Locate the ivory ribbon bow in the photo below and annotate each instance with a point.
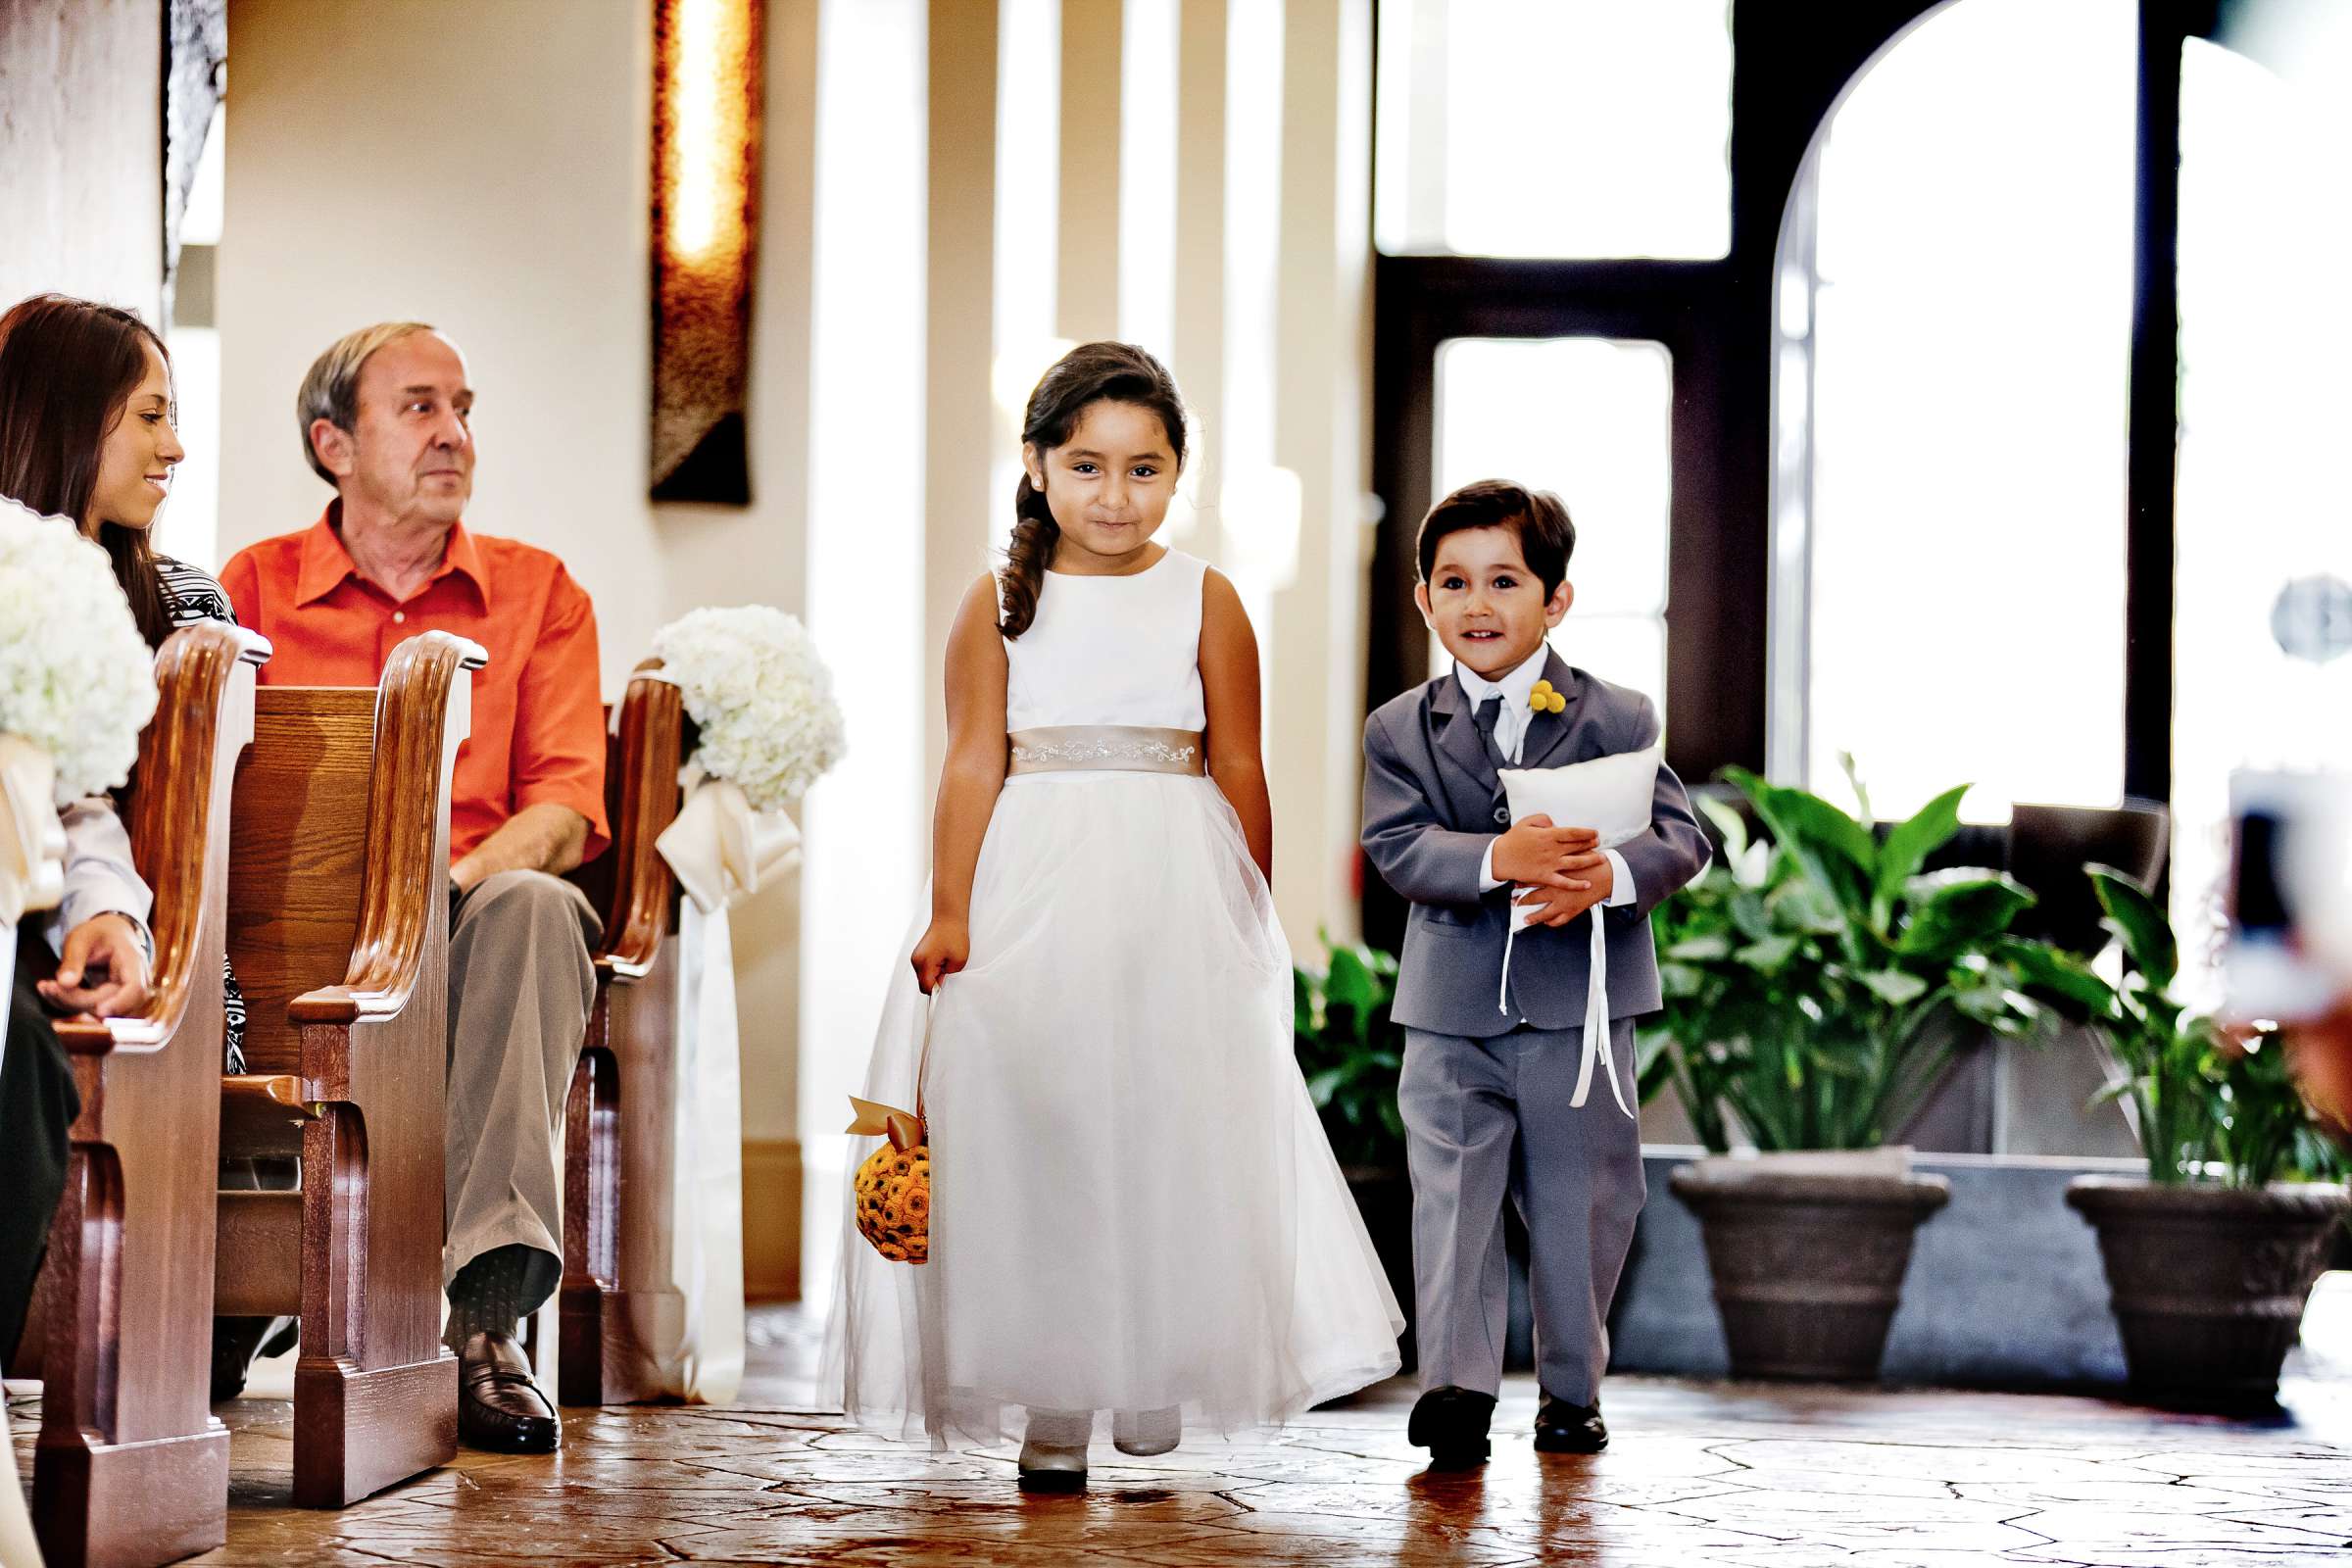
(32, 842)
(720, 849)
(905, 1129)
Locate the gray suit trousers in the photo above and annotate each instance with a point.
(521, 984)
(1485, 1119)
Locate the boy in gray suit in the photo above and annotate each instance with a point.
(1486, 1092)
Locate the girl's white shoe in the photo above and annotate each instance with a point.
(1144, 1432)
(1054, 1455)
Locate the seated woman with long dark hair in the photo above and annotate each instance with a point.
(86, 436)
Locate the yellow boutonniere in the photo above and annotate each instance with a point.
(1543, 700)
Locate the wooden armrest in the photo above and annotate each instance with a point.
(644, 760)
(169, 822)
(407, 793)
(264, 1113)
(92, 1037)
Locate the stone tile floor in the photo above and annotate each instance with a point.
(1702, 1473)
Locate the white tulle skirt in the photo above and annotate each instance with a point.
(1133, 1205)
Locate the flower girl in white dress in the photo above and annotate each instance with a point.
(1136, 1220)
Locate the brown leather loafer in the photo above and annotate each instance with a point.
(499, 1407)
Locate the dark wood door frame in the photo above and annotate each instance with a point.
(1716, 319)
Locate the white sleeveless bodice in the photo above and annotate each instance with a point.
(1112, 650)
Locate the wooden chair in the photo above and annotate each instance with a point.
(618, 1155)
(339, 866)
(131, 1469)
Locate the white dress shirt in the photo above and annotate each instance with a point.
(100, 878)
(1516, 689)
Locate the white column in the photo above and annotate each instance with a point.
(1197, 348)
(958, 349)
(1087, 303)
(862, 873)
(1317, 635)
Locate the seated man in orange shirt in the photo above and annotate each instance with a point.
(384, 420)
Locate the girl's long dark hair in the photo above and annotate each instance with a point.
(68, 368)
(1090, 373)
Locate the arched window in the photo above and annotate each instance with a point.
(1953, 321)
(2265, 330)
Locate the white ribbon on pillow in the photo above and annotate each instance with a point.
(1612, 795)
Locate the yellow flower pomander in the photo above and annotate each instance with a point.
(1543, 700)
(893, 1193)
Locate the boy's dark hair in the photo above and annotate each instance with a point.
(1546, 538)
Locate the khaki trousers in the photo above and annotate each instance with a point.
(521, 984)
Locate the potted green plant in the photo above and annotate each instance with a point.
(2211, 1258)
(1817, 985)
(1351, 1052)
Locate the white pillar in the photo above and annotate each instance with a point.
(959, 434)
(1087, 306)
(1315, 697)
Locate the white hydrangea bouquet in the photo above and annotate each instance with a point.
(76, 679)
(77, 686)
(769, 727)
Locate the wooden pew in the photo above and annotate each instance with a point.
(619, 1157)
(131, 1469)
(339, 866)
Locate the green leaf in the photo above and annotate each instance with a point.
(1908, 847)
(1808, 905)
(1893, 986)
(1854, 778)
(1954, 911)
(1654, 1068)
(2133, 915)
(1699, 949)
(1728, 822)
(1770, 955)
(2060, 977)
(1750, 915)
(1680, 981)
(1808, 823)
(1351, 983)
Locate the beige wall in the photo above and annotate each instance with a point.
(483, 166)
(81, 185)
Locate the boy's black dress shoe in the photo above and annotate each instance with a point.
(239, 1341)
(1452, 1424)
(499, 1406)
(1565, 1428)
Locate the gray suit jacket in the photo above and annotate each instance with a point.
(1433, 804)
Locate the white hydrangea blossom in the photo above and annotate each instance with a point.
(762, 699)
(76, 678)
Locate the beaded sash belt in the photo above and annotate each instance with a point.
(1105, 748)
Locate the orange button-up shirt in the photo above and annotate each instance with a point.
(538, 718)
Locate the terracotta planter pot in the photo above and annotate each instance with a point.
(1809, 1262)
(2209, 1282)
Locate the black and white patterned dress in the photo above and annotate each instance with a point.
(195, 598)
